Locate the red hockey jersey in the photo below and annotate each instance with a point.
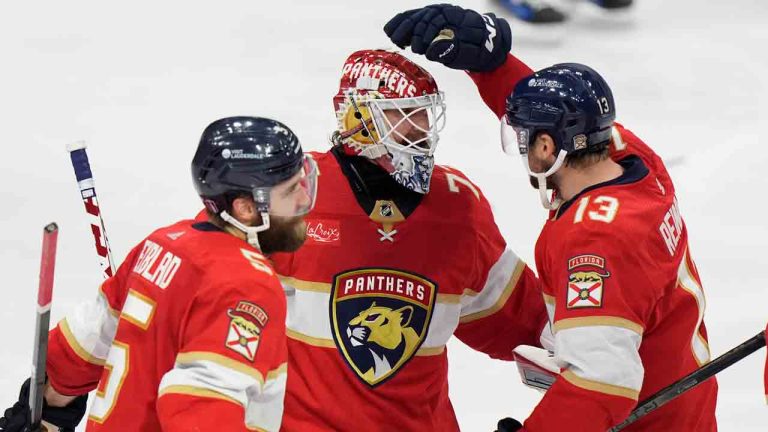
(622, 293)
(373, 300)
(188, 335)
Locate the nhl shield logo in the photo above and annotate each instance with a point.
(380, 318)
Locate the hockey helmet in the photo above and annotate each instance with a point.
(390, 110)
(256, 156)
(570, 102)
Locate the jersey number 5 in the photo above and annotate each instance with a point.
(138, 310)
(603, 209)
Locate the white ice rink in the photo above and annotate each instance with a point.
(139, 80)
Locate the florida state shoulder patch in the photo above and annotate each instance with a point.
(586, 275)
(247, 320)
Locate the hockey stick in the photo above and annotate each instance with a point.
(88, 191)
(42, 321)
(692, 380)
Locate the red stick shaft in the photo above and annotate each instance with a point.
(47, 265)
(42, 321)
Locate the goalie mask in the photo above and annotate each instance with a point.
(390, 111)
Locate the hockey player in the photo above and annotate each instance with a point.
(534, 11)
(543, 12)
(190, 332)
(623, 294)
(401, 254)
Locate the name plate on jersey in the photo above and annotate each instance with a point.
(380, 318)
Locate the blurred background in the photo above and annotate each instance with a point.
(140, 80)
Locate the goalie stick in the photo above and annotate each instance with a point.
(42, 321)
(88, 192)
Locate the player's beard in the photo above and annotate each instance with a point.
(285, 234)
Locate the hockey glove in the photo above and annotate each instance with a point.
(537, 367)
(456, 37)
(17, 418)
(508, 425)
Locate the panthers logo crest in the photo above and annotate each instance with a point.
(380, 317)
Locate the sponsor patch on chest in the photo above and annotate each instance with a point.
(380, 317)
(586, 277)
(324, 232)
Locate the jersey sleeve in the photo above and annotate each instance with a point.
(601, 307)
(503, 307)
(79, 344)
(230, 370)
(496, 85)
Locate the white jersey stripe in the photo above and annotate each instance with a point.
(213, 375)
(688, 283)
(265, 407)
(601, 354)
(89, 330)
(500, 282)
(308, 319)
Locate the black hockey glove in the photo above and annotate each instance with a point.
(456, 37)
(17, 418)
(508, 425)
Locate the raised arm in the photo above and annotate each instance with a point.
(496, 85)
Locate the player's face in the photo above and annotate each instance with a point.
(541, 158)
(289, 202)
(293, 196)
(411, 129)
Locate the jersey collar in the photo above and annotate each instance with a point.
(634, 171)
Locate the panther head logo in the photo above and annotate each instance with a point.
(385, 332)
(585, 289)
(380, 318)
(586, 277)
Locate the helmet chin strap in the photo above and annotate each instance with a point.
(251, 232)
(541, 179)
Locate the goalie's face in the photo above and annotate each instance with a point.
(409, 124)
(412, 125)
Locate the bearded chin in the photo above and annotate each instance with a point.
(550, 181)
(284, 235)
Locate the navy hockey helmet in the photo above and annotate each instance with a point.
(571, 102)
(253, 156)
(240, 155)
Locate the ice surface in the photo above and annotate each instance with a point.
(139, 81)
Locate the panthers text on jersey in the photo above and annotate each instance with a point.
(188, 335)
(374, 298)
(622, 293)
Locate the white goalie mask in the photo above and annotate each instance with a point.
(390, 111)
